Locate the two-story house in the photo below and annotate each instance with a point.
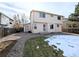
(44, 22)
(6, 21)
(6, 25)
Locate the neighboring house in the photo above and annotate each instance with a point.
(64, 26)
(44, 22)
(6, 21)
(71, 26)
(6, 25)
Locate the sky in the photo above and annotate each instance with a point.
(61, 8)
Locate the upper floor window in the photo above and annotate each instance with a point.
(42, 15)
(59, 17)
(51, 15)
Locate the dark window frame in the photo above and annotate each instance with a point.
(42, 15)
(35, 27)
(10, 22)
(57, 25)
(59, 17)
(69, 26)
(51, 15)
(51, 26)
(44, 27)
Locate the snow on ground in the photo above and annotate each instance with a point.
(68, 43)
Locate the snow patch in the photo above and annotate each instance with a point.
(68, 43)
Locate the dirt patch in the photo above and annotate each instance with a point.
(6, 46)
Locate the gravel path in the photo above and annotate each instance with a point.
(17, 50)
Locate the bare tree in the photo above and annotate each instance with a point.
(16, 22)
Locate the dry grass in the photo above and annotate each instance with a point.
(37, 47)
(6, 46)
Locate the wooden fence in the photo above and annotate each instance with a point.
(71, 30)
(8, 31)
(5, 32)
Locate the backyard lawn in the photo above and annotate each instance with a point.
(37, 47)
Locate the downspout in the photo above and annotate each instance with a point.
(0, 18)
(31, 22)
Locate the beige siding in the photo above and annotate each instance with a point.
(55, 28)
(27, 27)
(48, 20)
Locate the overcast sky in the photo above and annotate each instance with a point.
(61, 8)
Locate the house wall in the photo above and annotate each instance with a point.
(27, 27)
(40, 28)
(70, 24)
(5, 27)
(47, 28)
(6, 21)
(55, 28)
(0, 18)
(48, 19)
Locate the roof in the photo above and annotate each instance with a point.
(66, 18)
(27, 23)
(3, 24)
(46, 12)
(41, 22)
(6, 16)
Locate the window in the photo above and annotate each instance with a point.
(10, 23)
(44, 27)
(57, 25)
(74, 25)
(51, 15)
(51, 26)
(35, 27)
(69, 25)
(59, 17)
(42, 15)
